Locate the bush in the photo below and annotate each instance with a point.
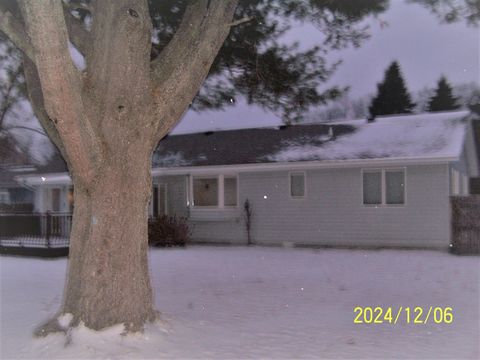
(168, 231)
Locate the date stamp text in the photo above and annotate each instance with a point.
(409, 315)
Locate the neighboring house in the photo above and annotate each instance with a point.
(13, 162)
(385, 183)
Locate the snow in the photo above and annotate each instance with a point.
(170, 159)
(256, 302)
(407, 136)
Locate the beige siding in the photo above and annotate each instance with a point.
(332, 212)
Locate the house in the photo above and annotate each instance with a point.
(350, 183)
(13, 162)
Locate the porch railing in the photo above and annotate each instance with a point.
(35, 229)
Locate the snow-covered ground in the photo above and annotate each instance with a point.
(236, 302)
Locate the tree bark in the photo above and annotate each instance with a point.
(108, 278)
(107, 120)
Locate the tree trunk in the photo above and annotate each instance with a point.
(108, 278)
(106, 120)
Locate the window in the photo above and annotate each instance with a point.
(395, 187)
(297, 185)
(384, 187)
(55, 195)
(205, 191)
(217, 192)
(372, 188)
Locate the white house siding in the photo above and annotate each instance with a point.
(332, 212)
(460, 171)
(43, 198)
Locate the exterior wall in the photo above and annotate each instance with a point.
(461, 167)
(332, 212)
(207, 225)
(470, 152)
(466, 166)
(43, 200)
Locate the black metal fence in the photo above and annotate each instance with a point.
(44, 230)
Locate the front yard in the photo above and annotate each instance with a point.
(236, 302)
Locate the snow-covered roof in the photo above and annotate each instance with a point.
(424, 135)
(432, 135)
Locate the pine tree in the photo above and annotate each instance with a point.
(443, 100)
(392, 96)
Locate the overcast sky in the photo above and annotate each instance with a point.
(423, 46)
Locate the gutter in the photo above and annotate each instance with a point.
(302, 165)
(64, 178)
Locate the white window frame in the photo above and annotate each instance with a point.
(383, 188)
(220, 192)
(304, 173)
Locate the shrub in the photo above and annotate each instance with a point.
(168, 231)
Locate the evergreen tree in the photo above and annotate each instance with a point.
(392, 96)
(443, 100)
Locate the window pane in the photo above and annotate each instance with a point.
(205, 192)
(56, 200)
(230, 188)
(372, 188)
(395, 183)
(297, 185)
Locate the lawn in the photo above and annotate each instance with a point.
(258, 302)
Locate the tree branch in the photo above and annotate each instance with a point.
(61, 85)
(240, 21)
(8, 100)
(35, 95)
(15, 31)
(180, 69)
